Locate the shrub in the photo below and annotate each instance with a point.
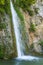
(41, 42)
(2, 2)
(25, 5)
(2, 51)
(36, 10)
(32, 27)
(2, 26)
(30, 12)
(5, 6)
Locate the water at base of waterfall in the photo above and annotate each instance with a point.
(22, 62)
(28, 58)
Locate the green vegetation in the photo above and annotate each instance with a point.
(41, 42)
(17, 8)
(7, 6)
(2, 49)
(2, 2)
(31, 13)
(36, 10)
(4, 6)
(20, 15)
(25, 5)
(2, 26)
(32, 27)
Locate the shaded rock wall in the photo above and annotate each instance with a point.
(7, 38)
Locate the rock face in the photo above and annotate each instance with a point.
(37, 20)
(7, 38)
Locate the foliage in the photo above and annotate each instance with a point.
(19, 13)
(25, 5)
(36, 10)
(2, 51)
(2, 10)
(4, 6)
(2, 26)
(32, 27)
(2, 2)
(31, 13)
(7, 6)
(41, 42)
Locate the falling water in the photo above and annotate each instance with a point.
(16, 28)
(21, 41)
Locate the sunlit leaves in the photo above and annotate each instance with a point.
(25, 5)
(2, 2)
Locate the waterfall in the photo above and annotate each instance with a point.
(21, 46)
(16, 28)
(20, 33)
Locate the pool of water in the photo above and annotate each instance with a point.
(22, 62)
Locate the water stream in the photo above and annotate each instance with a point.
(16, 28)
